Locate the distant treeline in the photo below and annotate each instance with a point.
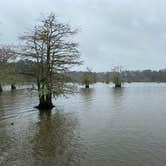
(128, 76)
(145, 76)
(23, 67)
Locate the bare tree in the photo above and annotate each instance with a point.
(50, 45)
(88, 78)
(7, 70)
(117, 76)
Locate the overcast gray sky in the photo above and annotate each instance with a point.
(131, 33)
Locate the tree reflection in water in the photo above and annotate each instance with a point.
(55, 141)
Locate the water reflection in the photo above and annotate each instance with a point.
(87, 97)
(87, 92)
(122, 127)
(55, 142)
(4, 144)
(117, 92)
(51, 139)
(118, 98)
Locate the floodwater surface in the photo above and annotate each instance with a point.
(100, 126)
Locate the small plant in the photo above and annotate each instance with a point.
(117, 78)
(88, 78)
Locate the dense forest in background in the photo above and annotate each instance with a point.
(23, 69)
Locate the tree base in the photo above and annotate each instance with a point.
(86, 86)
(118, 86)
(1, 88)
(45, 106)
(13, 87)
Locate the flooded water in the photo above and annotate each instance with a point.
(101, 126)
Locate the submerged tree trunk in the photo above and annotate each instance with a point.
(118, 82)
(117, 85)
(13, 87)
(49, 99)
(1, 88)
(45, 102)
(87, 86)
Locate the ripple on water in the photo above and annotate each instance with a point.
(99, 126)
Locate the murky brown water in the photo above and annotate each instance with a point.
(101, 126)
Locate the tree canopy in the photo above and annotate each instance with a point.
(50, 45)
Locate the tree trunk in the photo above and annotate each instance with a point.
(117, 85)
(49, 99)
(41, 99)
(87, 86)
(1, 88)
(13, 87)
(45, 102)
